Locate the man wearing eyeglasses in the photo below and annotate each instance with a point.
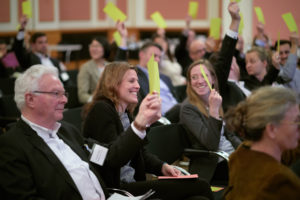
(42, 158)
(287, 59)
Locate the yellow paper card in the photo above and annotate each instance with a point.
(193, 9)
(290, 22)
(216, 189)
(117, 38)
(159, 20)
(241, 26)
(215, 28)
(260, 15)
(278, 42)
(235, 1)
(114, 12)
(205, 77)
(26, 8)
(154, 81)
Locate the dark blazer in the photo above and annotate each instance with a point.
(28, 58)
(104, 125)
(30, 170)
(231, 94)
(144, 84)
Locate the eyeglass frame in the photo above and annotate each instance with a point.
(57, 94)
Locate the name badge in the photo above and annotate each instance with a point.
(98, 154)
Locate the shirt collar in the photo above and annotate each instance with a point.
(42, 130)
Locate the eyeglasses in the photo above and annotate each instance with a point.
(57, 94)
(293, 123)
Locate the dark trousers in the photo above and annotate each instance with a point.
(191, 189)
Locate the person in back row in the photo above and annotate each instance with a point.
(167, 92)
(38, 54)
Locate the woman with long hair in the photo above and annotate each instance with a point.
(108, 119)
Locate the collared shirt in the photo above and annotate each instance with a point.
(45, 60)
(85, 180)
(241, 85)
(167, 99)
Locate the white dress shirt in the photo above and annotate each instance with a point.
(85, 180)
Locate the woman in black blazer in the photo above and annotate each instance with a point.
(108, 117)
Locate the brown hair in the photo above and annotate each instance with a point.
(192, 95)
(108, 85)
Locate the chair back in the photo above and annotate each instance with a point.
(167, 142)
(73, 116)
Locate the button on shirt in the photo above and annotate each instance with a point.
(167, 99)
(85, 180)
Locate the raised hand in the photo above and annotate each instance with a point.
(215, 102)
(23, 22)
(149, 110)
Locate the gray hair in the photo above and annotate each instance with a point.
(265, 105)
(29, 81)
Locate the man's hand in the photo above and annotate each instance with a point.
(234, 11)
(23, 22)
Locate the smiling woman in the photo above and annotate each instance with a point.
(108, 119)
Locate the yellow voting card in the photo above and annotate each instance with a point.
(114, 12)
(290, 22)
(205, 77)
(260, 15)
(193, 9)
(154, 81)
(215, 28)
(117, 38)
(26, 8)
(241, 26)
(159, 20)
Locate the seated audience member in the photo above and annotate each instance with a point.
(269, 121)
(260, 71)
(108, 118)
(8, 62)
(100, 52)
(38, 53)
(167, 91)
(90, 71)
(41, 158)
(289, 74)
(201, 114)
(168, 64)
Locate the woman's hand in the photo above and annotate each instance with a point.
(168, 170)
(215, 102)
(150, 110)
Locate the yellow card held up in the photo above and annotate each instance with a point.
(290, 22)
(117, 38)
(215, 28)
(216, 189)
(260, 15)
(193, 9)
(205, 77)
(241, 26)
(159, 20)
(235, 1)
(154, 81)
(26, 8)
(114, 12)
